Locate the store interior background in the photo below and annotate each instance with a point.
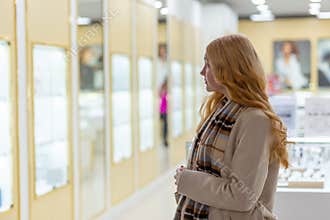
(80, 132)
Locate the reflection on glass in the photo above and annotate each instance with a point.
(285, 106)
(146, 104)
(189, 96)
(6, 168)
(92, 129)
(50, 118)
(176, 99)
(317, 109)
(121, 108)
(91, 67)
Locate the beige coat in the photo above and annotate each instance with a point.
(247, 157)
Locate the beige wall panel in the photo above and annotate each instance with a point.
(176, 39)
(145, 30)
(120, 41)
(90, 35)
(9, 215)
(122, 181)
(198, 55)
(53, 206)
(7, 21)
(263, 34)
(145, 34)
(120, 33)
(178, 149)
(148, 168)
(188, 45)
(8, 33)
(13, 214)
(57, 204)
(49, 21)
(162, 33)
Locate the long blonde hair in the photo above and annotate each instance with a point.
(236, 66)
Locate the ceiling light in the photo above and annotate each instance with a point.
(262, 17)
(315, 6)
(266, 12)
(258, 2)
(158, 4)
(164, 11)
(84, 21)
(324, 15)
(315, 1)
(262, 7)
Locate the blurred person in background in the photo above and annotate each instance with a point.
(163, 95)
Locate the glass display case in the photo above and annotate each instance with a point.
(189, 96)
(307, 117)
(309, 164)
(176, 99)
(300, 110)
(92, 149)
(6, 145)
(146, 103)
(121, 107)
(50, 99)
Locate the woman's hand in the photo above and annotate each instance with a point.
(178, 173)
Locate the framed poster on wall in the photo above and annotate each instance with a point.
(292, 63)
(323, 64)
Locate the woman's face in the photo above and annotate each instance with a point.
(287, 48)
(209, 78)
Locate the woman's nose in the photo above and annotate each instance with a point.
(202, 71)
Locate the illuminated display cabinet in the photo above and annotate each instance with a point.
(50, 118)
(121, 108)
(307, 117)
(176, 96)
(146, 102)
(6, 145)
(309, 164)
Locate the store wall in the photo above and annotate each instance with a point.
(263, 34)
(9, 198)
(183, 31)
(83, 33)
(147, 157)
(48, 25)
(162, 33)
(217, 20)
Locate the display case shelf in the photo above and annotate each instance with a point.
(309, 164)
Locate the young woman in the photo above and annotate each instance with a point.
(240, 142)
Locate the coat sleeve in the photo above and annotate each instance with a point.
(241, 189)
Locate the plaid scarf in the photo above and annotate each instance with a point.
(206, 156)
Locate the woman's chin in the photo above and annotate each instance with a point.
(208, 89)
